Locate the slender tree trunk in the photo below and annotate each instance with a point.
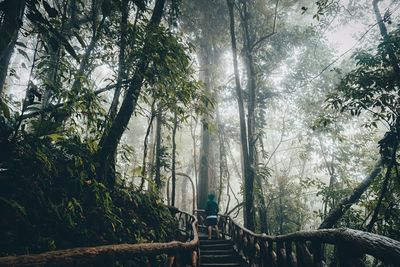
(389, 46)
(262, 207)
(194, 139)
(10, 26)
(145, 145)
(55, 52)
(247, 169)
(110, 170)
(121, 58)
(327, 201)
(384, 188)
(83, 66)
(251, 133)
(157, 164)
(184, 189)
(222, 156)
(111, 138)
(174, 159)
(280, 210)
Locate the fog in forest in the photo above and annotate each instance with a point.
(287, 111)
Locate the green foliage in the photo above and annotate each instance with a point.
(286, 207)
(388, 222)
(50, 200)
(373, 86)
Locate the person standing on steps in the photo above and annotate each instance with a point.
(211, 214)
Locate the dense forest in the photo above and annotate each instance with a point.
(114, 111)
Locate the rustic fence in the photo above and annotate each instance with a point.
(177, 253)
(342, 247)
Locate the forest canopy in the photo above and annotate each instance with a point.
(111, 111)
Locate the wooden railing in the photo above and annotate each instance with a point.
(318, 248)
(179, 253)
(341, 247)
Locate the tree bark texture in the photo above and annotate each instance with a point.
(205, 151)
(248, 172)
(173, 167)
(251, 130)
(157, 165)
(10, 26)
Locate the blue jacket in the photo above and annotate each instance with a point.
(211, 208)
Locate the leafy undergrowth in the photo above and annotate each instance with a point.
(49, 199)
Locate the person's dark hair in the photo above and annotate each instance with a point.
(211, 196)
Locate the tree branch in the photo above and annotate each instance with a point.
(262, 39)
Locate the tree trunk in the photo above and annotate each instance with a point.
(384, 188)
(204, 159)
(121, 59)
(184, 189)
(194, 139)
(203, 180)
(251, 132)
(262, 207)
(248, 172)
(223, 165)
(121, 75)
(389, 46)
(111, 138)
(335, 214)
(157, 177)
(55, 51)
(10, 26)
(145, 146)
(173, 168)
(83, 66)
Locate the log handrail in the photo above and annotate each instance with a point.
(108, 253)
(305, 248)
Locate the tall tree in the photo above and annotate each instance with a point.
(205, 155)
(248, 172)
(206, 27)
(111, 137)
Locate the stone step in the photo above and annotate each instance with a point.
(219, 258)
(215, 246)
(217, 252)
(220, 264)
(214, 241)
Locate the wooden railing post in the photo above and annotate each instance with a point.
(304, 257)
(318, 256)
(272, 254)
(281, 254)
(260, 251)
(349, 256)
(291, 257)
